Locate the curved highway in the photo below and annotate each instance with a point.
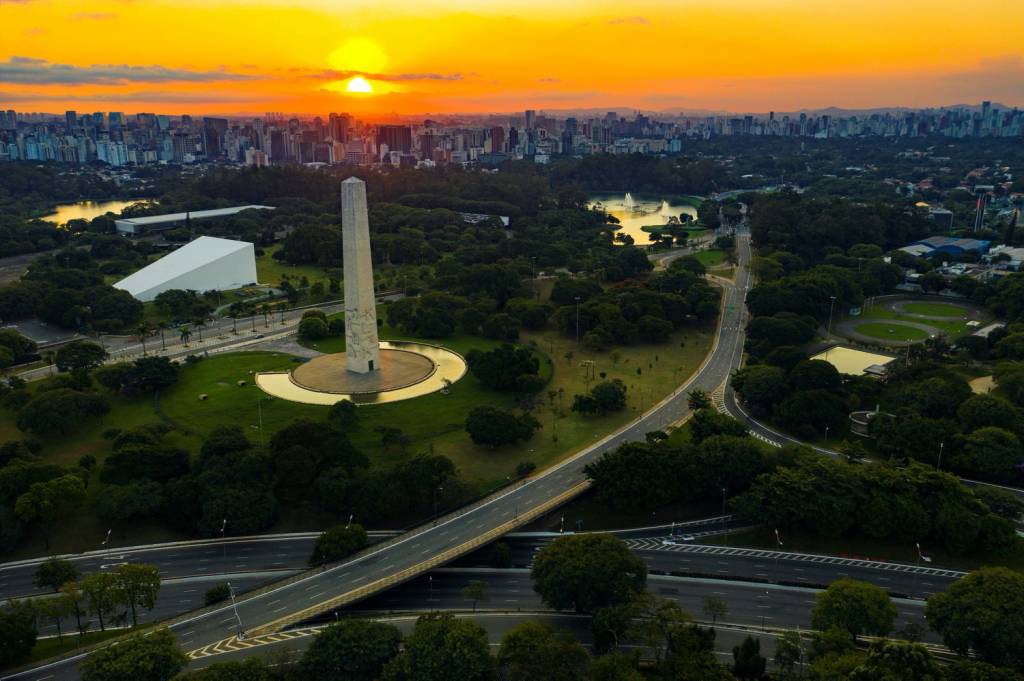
(403, 558)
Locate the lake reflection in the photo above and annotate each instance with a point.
(634, 212)
(86, 210)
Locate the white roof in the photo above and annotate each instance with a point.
(193, 215)
(190, 257)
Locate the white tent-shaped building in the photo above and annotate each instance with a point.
(206, 264)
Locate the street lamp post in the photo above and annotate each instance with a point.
(430, 586)
(724, 525)
(234, 606)
(938, 464)
(920, 558)
(106, 540)
(778, 550)
(830, 307)
(577, 320)
(223, 547)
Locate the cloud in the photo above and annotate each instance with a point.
(31, 71)
(549, 79)
(618, 21)
(33, 32)
(93, 16)
(141, 96)
(332, 74)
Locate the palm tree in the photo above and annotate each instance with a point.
(266, 316)
(186, 333)
(162, 326)
(199, 327)
(143, 330)
(234, 325)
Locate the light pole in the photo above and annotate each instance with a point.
(223, 547)
(826, 436)
(349, 523)
(436, 490)
(920, 558)
(234, 606)
(104, 545)
(723, 515)
(830, 307)
(778, 550)
(430, 586)
(577, 320)
(938, 464)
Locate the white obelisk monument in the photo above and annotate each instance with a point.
(362, 349)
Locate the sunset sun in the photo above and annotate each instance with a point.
(359, 85)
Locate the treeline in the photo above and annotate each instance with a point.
(642, 173)
(794, 488)
(68, 290)
(29, 189)
(811, 228)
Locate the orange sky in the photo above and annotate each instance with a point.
(420, 56)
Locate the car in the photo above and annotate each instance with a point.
(687, 537)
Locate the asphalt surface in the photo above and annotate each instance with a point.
(510, 600)
(399, 560)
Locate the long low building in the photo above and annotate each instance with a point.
(206, 264)
(156, 223)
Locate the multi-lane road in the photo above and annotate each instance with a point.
(403, 558)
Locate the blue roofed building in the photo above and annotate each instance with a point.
(947, 245)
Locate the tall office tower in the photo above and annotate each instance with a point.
(531, 118)
(70, 120)
(497, 140)
(98, 119)
(277, 146)
(362, 348)
(214, 130)
(338, 125)
(115, 119)
(513, 138)
(396, 137)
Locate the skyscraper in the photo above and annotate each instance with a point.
(397, 137)
(70, 120)
(497, 140)
(531, 117)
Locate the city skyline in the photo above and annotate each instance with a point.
(245, 57)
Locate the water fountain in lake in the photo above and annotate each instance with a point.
(629, 203)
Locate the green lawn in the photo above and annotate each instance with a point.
(896, 332)
(710, 258)
(936, 310)
(952, 327)
(46, 648)
(270, 271)
(433, 422)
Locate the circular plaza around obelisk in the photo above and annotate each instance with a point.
(330, 374)
(369, 371)
(406, 370)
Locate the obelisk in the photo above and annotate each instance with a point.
(362, 349)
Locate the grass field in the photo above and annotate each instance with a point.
(884, 331)
(952, 327)
(710, 258)
(272, 271)
(46, 648)
(432, 423)
(936, 310)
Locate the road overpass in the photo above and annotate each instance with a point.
(403, 558)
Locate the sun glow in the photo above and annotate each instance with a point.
(360, 55)
(359, 85)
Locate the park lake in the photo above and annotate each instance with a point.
(636, 211)
(87, 210)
